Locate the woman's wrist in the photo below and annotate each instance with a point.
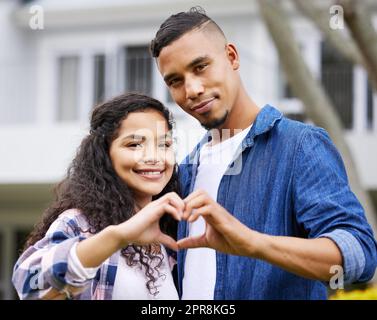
(96, 249)
(115, 235)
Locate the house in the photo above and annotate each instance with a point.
(53, 73)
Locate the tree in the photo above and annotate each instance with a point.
(362, 48)
(359, 22)
(316, 102)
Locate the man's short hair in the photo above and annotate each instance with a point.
(177, 25)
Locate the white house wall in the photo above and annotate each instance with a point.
(35, 148)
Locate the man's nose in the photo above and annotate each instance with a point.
(194, 88)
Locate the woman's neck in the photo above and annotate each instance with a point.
(141, 202)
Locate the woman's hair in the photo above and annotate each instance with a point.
(92, 185)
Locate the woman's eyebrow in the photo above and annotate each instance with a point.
(134, 137)
(166, 135)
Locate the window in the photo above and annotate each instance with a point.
(370, 115)
(138, 70)
(21, 236)
(1, 256)
(285, 91)
(337, 79)
(3, 266)
(99, 78)
(297, 116)
(68, 88)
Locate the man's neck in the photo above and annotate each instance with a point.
(241, 116)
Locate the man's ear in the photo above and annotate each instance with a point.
(232, 54)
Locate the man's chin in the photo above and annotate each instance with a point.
(215, 123)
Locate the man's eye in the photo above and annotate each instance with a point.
(174, 82)
(201, 67)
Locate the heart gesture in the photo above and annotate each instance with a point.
(143, 228)
(223, 232)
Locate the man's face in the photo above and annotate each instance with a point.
(201, 73)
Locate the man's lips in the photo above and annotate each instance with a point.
(204, 106)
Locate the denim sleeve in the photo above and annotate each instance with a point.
(352, 253)
(325, 205)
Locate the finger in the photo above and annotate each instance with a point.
(167, 208)
(173, 199)
(195, 203)
(192, 242)
(167, 241)
(194, 195)
(199, 212)
(176, 200)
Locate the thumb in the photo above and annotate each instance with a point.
(193, 242)
(167, 241)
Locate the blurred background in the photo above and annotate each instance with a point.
(58, 59)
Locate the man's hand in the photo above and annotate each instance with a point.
(223, 231)
(310, 258)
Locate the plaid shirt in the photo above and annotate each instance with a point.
(42, 272)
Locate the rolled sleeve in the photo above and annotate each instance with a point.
(77, 273)
(326, 206)
(352, 253)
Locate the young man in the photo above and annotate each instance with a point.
(276, 217)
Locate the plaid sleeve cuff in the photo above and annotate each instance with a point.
(77, 273)
(352, 253)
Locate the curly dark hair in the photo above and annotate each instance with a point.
(92, 185)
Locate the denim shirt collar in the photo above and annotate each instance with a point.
(264, 122)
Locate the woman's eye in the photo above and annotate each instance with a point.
(166, 145)
(134, 145)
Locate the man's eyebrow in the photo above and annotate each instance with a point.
(170, 76)
(197, 61)
(189, 66)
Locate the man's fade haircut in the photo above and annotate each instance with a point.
(177, 25)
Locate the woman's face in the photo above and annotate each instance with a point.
(142, 154)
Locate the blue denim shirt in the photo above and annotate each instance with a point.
(286, 179)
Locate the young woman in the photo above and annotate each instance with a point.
(100, 238)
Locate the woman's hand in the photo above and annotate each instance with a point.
(223, 231)
(143, 228)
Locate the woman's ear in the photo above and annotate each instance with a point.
(233, 55)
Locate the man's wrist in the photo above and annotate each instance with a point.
(258, 242)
